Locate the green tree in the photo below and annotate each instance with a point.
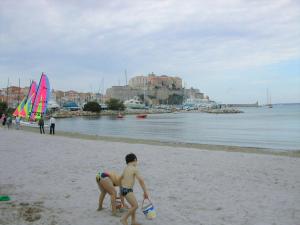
(92, 107)
(3, 107)
(10, 111)
(141, 97)
(115, 104)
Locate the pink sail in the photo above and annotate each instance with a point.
(41, 99)
(25, 106)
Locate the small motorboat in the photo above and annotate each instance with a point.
(120, 116)
(141, 116)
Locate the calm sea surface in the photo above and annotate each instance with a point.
(277, 128)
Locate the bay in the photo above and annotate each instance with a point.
(275, 128)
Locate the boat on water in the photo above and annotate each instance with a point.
(52, 104)
(120, 116)
(197, 103)
(134, 103)
(269, 101)
(141, 116)
(34, 105)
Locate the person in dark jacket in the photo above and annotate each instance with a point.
(3, 119)
(41, 124)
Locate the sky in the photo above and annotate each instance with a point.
(232, 50)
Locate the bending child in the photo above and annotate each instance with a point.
(106, 182)
(127, 182)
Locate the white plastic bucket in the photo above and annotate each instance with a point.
(148, 209)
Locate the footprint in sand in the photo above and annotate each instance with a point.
(67, 196)
(38, 203)
(24, 204)
(172, 197)
(30, 212)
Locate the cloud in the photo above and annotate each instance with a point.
(165, 36)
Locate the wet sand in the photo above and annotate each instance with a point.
(51, 180)
(211, 147)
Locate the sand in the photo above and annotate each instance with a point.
(51, 180)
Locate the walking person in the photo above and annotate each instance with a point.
(41, 124)
(52, 125)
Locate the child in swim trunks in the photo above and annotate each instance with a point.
(127, 182)
(106, 182)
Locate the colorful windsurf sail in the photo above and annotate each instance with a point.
(25, 113)
(18, 110)
(24, 107)
(40, 101)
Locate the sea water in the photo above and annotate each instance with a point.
(263, 127)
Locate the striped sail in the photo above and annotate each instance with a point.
(25, 113)
(25, 106)
(18, 110)
(40, 101)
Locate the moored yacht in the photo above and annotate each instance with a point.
(134, 103)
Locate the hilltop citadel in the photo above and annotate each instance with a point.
(152, 89)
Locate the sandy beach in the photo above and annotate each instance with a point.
(51, 180)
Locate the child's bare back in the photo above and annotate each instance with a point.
(129, 175)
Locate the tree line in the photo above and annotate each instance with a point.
(112, 104)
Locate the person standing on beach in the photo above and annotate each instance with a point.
(9, 122)
(41, 124)
(106, 182)
(3, 119)
(52, 125)
(128, 177)
(17, 123)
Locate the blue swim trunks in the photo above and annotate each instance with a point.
(125, 191)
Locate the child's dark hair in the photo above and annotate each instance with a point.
(130, 158)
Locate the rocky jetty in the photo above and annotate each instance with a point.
(222, 110)
(67, 113)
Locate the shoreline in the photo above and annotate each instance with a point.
(80, 113)
(210, 147)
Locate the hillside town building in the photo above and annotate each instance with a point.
(155, 89)
(152, 89)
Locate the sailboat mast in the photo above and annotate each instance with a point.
(144, 91)
(267, 96)
(29, 90)
(19, 93)
(7, 92)
(102, 90)
(37, 91)
(269, 104)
